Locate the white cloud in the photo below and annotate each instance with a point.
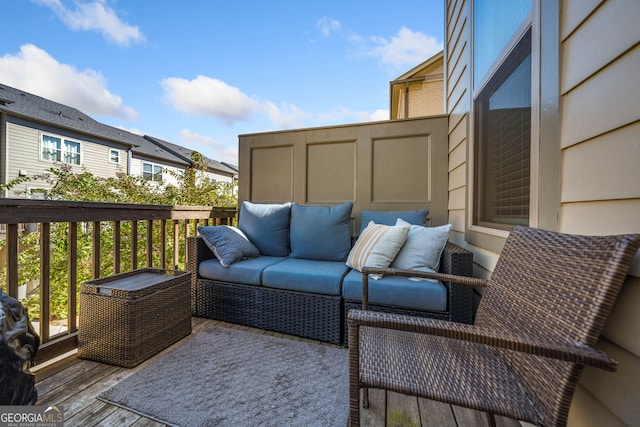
(37, 72)
(406, 49)
(379, 115)
(207, 96)
(343, 115)
(209, 147)
(327, 25)
(96, 16)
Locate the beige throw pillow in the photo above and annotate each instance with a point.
(377, 246)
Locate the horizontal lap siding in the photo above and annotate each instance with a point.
(23, 151)
(457, 105)
(600, 125)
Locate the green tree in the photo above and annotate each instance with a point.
(192, 188)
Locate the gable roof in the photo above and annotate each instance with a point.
(186, 154)
(18, 103)
(420, 67)
(22, 104)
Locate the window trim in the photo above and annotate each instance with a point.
(484, 235)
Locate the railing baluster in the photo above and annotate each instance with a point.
(149, 243)
(12, 259)
(117, 252)
(163, 243)
(72, 265)
(96, 250)
(176, 240)
(45, 274)
(134, 244)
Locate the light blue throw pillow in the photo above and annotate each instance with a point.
(417, 217)
(321, 232)
(266, 226)
(423, 247)
(228, 243)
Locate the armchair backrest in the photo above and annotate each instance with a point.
(555, 286)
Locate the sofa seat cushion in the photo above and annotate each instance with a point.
(247, 271)
(321, 277)
(397, 291)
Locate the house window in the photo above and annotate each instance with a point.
(56, 149)
(502, 117)
(152, 172)
(114, 156)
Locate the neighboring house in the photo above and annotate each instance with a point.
(36, 133)
(216, 171)
(420, 91)
(543, 101)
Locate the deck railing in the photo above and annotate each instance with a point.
(154, 237)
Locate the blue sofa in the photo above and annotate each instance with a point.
(297, 275)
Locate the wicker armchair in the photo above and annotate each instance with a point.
(541, 314)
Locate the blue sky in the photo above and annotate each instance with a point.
(199, 73)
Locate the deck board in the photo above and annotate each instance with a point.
(75, 384)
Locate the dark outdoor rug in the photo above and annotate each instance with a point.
(228, 377)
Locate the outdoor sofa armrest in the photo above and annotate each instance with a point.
(574, 353)
(463, 280)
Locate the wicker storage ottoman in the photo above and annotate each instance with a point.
(127, 318)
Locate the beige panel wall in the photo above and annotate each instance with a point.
(360, 163)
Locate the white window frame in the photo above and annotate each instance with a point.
(154, 166)
(117, 156)
(61, 151)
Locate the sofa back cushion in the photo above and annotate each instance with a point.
(266, 226)
(417, 217)
(320, 232)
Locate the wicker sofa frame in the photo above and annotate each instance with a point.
(315, 316)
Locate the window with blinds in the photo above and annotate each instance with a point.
(502, 117)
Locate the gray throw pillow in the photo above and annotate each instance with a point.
(228, 243)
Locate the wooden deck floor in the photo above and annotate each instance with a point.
(75, 383)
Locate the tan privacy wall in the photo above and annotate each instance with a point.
(391, 165)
